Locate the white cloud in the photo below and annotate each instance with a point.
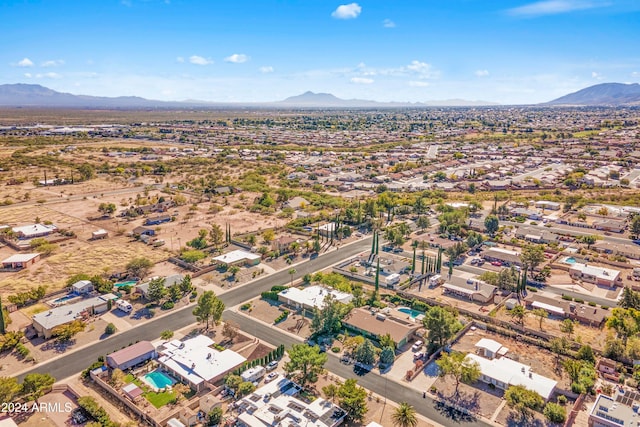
(347, 11)
(52, 63)
(419, 67)
(266, 69)
(554, 7)
(237, 58)
(482, 73)
(388, 23)
(596, 75)
(28, 75)
(414, 83)
(199, 60)
(26, 62)
(635, 74)
(48, 76)
(361, 80)
(180, 59)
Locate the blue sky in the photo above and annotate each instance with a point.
(511, 52)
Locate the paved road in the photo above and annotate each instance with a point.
(75, 361)
(372, 381)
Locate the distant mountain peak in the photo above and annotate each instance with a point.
(603, 94)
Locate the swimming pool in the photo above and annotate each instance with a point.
(65, 299)
(569, 260)
(158, 380)
(409, 311)
(131, 283)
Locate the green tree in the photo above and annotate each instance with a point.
(107, 208)
(555, 413)
(518, 313)
(156, 290)
(491, 224)
(209, 307)
(423, 222)
(330, 391)
(404, 416)
(306, 362)
(291, 272)
(457, 366)
(166, 334)
(541, 313)
(245, 388)
(630, 298)
(567, 326)
(9, 389)
(586, 353)
(66, 332)
(185, 285)
(216, 235)
(87, 171)
(442, 325)
(353, 399)
(139, 267)
(387, 355)
(634, 226)
(233, 382)
(268, 235)
(192, 256)
(110, 329)
(387, 341)
(588, 240)
(214, 417)
(34, 385)
(365, 353)
(532, 256)
(523, 400)
(328, 319)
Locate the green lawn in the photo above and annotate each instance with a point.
(156, 399)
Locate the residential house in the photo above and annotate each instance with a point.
(283, 244)
(82, 287)
(238, 257)
(131, 356)
(473, 289)
(20, 261)
(32, 231)
(621, 249)
(596, 275)
(168, 282)
(311, 297)
(612, 225)
(621, 410)
(502, 255)
(275, 404)
(157, 220)
(44, 322)
(373, 325)
(196, 363)
(296, 203)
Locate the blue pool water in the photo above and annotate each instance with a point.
(569, 260)
(64, 298)
(158, 379)
(409, 311)
(131, 283)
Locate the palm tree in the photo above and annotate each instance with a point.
(292, 271)
(404, 416)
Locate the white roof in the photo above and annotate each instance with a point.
(274, 404)
(173, 422)
(195, 361)
(66, 313)
(598, 272)
(511, 372)
(314, 296)
(34, 229)
(235, 256)
(504, 251)
(491, 345)
(20, 258)
(81, 284)
(548, 307)
(459, 289)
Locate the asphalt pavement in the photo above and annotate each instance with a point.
(68, 363)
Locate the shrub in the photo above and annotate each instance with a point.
(282, 316)
(555, 413)
(270, 295)
(567, 298)
(579, 300)
(592, 304)
(167, 334)
(335, 349)
(278, 288)
(562, 399)
(245, 306)
(532, 289)
(22, 350)
(167, 305)
(110, 329)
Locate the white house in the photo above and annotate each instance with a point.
(238, 257)
(593, 274)
(196, 362)
(311, 297)
(504, 372)
(32, 231)
(275, 404)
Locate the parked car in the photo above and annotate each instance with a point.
(418, 355)
(417, 346)
(270, 377)
(496, 263)
(272, 365)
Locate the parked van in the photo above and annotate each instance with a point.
(124, 305)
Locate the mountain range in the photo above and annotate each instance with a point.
(605, 94)
(29, 95)
(36, 96)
